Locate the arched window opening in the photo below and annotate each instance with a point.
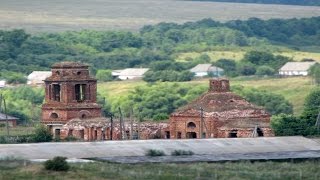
(83, 116)
(191, 125)
(54, 115)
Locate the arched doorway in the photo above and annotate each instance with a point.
(260, 132)
(191, 135)
(233, 134)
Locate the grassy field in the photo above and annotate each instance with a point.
(293, 89)
(49, 16)
(238, 55)
(19, 130)
(238, 170)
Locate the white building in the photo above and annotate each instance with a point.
(3, 83)
(296, 68)
(202, 70)
(116, 73)
(132, 73)
(37, 77)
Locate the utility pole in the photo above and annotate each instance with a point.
(111, 126)
(318, 122)
(201, 122)
(131, 124)
(5, 111)
(120, 123)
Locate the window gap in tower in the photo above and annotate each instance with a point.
(80, 92)
(56, 92)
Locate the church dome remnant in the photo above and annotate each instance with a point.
(219, 113)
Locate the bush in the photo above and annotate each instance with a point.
(265, 70)
(155, 152)
(58, 163)
(71, 138)
(42, 134)
(182, 153)
(17, 139)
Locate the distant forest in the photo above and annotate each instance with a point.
(287, 2)
(22, 53)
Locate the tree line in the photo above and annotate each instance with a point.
(22, 53)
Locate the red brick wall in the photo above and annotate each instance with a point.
(213, 127)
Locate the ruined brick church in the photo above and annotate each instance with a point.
(219, 113)
(71, 109)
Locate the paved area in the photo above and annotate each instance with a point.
(109, 149)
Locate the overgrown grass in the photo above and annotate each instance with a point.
(155, 152)
(238, 170)
(16, 131)
(182, 153)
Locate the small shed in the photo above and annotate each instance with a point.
(132, 73)
(296, 68)
(38, 77)
(202, 70)
(11, 120)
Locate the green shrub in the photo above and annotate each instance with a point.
(71, 138)
(182, 153)
(42, 134)
(58, 163)
(155, 152)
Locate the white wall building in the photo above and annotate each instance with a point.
(37, 77)
(202, 70)
(132, 73)
(296, 68)
(3, 83)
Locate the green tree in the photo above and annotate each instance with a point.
(104, 75)
(42, 134)
(265, 70)
(228, 65)
(315, 73)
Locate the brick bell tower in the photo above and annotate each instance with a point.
(69, 93)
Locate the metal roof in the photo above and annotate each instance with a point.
(39, 75)
(3, 117)
(133, 72)
(297, 66)
(205, 68)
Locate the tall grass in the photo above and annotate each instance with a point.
(237, 170)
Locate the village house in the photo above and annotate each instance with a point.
(37, 77)
(132, 73)
(12, 121)
(202, 70)
(296, 68)
(219, 113)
